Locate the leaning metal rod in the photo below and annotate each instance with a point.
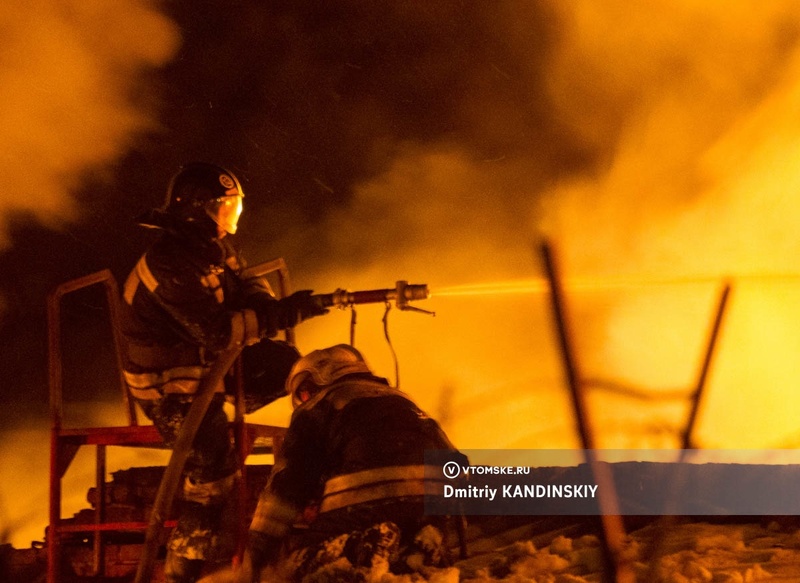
(621, 570)
(656, 548)
(702, 381)
(180, 452)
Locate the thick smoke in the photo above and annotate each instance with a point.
(71, 97)
(74, 95)
(701, 95)
(684, 114)
(702, 184)
(436, 142)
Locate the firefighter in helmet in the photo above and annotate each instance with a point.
(185, 301)
(352, 466)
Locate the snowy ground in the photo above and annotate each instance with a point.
(697, 552)
(688, 552)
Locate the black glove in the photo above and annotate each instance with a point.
(275, 315)
(302, 305)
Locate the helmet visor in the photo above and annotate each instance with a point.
(225, 211)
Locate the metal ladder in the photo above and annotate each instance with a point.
(66, 441)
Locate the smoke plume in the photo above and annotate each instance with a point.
(437, 142)
(684, 117)
(72, 97)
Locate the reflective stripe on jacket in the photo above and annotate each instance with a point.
(184, 302)
(183, 380)
(381, 483)
(356, 441)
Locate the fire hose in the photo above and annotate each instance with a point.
(180, 453)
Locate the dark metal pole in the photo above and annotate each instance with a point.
(613, 528)
(56, 420)
(678, 478)
(242, 440)
(100, 511)
(722, 304)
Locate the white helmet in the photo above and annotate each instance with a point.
(323, 367)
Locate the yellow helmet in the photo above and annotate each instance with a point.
(323, 367)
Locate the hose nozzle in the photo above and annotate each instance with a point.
(401, 294)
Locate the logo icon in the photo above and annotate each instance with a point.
(451, 470)
(226, 181)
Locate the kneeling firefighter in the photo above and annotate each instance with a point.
(353, 458)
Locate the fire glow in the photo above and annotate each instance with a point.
(691, 107)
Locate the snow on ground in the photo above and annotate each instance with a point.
(688, 552)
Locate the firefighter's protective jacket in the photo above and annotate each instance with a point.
(184, 302)
(355, 442)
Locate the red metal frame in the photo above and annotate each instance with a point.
(65, 442)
